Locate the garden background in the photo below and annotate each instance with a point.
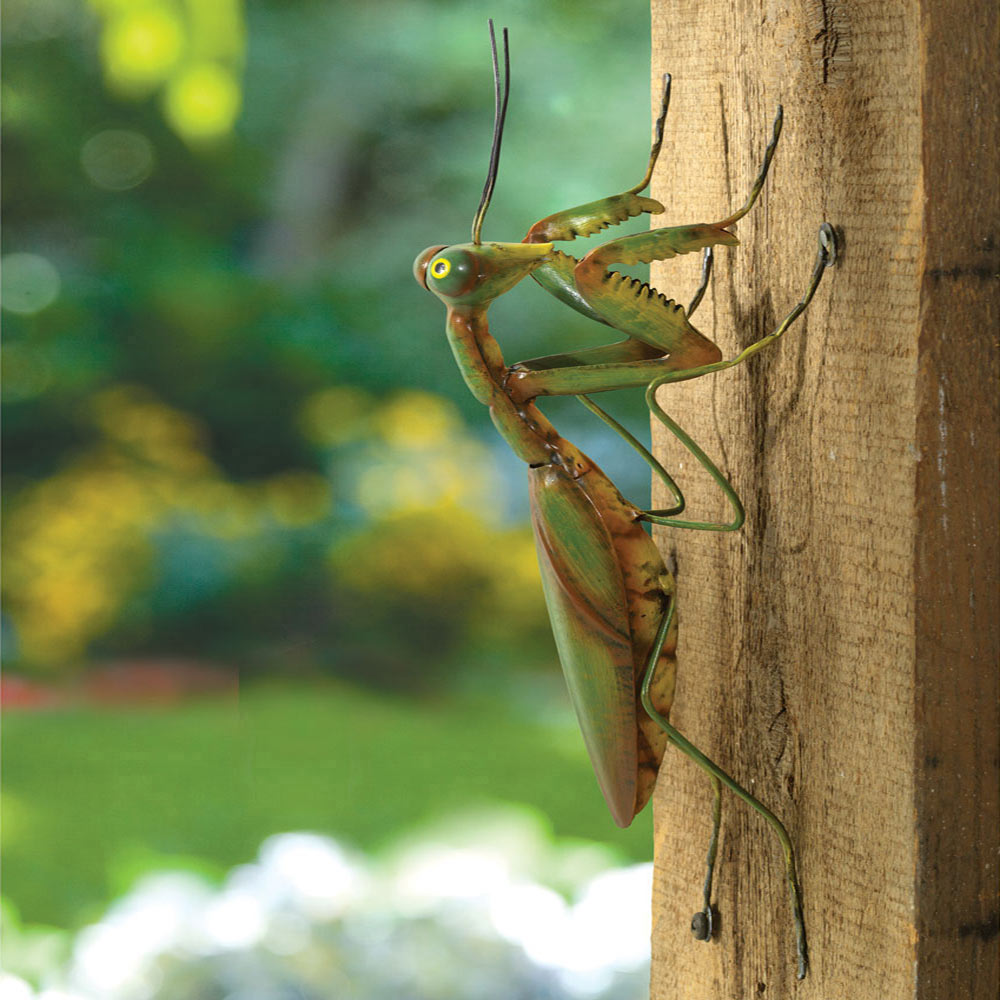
(268, 566)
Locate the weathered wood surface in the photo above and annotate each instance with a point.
(840, 655)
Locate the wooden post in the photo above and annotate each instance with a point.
(839, 656)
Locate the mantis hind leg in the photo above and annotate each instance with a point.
(701, 924)
(668, 516)
(825, 257)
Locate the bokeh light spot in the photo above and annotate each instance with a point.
(203, 101)
(235, 919)
(417, 420)
(140, 47)
(117, 159)
(29, 283)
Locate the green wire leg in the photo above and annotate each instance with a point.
(701, 922)
(758, 184)
(718, 775)
(826, 255)
(706, 273)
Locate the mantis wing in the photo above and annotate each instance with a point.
(587, 603)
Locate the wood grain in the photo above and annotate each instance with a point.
(839, 656)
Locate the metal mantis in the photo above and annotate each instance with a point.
(610, 597)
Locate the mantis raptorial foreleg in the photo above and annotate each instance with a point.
(585, 220)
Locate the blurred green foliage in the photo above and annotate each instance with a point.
(215, 351)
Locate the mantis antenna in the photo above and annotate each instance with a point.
(499, 114)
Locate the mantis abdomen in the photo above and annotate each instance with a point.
(607, 591)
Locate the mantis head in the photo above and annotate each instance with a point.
(474, 274)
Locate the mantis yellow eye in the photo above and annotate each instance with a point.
(448, 274)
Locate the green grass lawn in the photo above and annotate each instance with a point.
(94, 796)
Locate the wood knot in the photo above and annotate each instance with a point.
(830, 38)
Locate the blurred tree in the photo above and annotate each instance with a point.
(214, 436)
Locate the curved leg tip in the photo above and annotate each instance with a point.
(701, 925)
(802, 956)
(828, 244)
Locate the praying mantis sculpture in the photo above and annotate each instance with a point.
(610, 597)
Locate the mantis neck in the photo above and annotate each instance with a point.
(522, 425)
